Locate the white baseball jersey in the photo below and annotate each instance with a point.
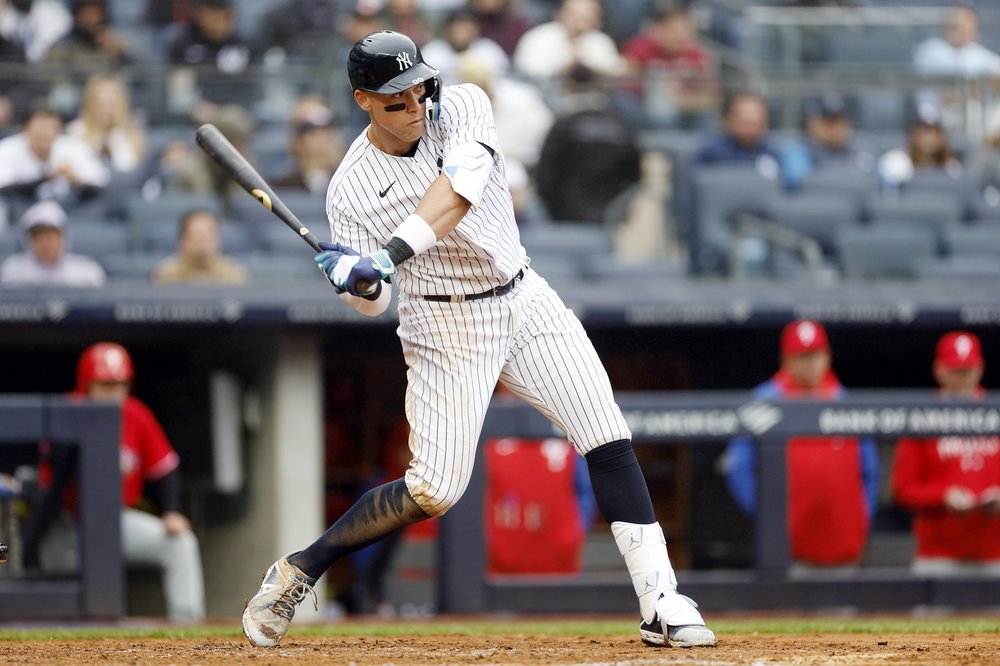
(457, 351)
(373, 192)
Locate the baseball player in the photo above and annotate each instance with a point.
(420, 203)
(147, 461)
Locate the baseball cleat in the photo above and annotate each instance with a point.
(267, 616)
(677, 624)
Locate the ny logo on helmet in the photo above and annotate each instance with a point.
(404, 61)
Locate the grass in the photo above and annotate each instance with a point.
(533, 626)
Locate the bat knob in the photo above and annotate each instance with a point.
(362, 286)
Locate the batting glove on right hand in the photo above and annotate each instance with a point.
(331, 255)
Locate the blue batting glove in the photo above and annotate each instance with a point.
(327, 260)
(351, 269)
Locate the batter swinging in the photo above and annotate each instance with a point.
(421, 199)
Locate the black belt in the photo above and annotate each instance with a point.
(495, 291)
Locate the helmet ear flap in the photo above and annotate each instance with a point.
(432, 91)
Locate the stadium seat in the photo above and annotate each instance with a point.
(931, 210)
(609, 269)
(978, 240)
(170, 205)
(97, 239)
(271, 268)
(958, 269)
(277, 238)
(818, 215)
(880, 109)
(842, 182)
(718, 193)
(131, 266)
(568, 239)
(965, 187)
(883, 251)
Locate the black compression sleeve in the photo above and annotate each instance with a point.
(166, 492)
(399, 250)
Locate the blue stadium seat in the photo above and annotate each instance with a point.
(97, 239)
(818, 215)
(271, 267)
(880, 109)
(883, 251)
(976, 240)
(577, 241)
(965, 186)
(131, 266)
(10, 243)
(842, 182)
(930, 210)
(719, 192)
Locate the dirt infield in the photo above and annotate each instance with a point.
(839, 649)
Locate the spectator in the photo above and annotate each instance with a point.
(461, 38)
(405, 16)
(832, 481)
(197, 172)
(210, 39)
(957, 52)
(927, 147)
(41, 162)
(34, 25)
(91, 43)
(297, 30)
(500, 22)
(952, 483)
(47, 261)
(570, 46)
(829, 142)
(677, 78)
(209, 58)
(199, 255)
(148, 462)
(744, 138)
(106, 124)
(316, 146)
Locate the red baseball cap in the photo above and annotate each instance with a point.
(959, 349)
(803, 336)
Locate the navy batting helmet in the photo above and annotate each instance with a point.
(388, 62)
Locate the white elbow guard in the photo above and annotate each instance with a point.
(370, 308)
(468, 166)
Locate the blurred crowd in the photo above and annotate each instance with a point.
(622, 117)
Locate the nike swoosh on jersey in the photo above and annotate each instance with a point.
(386, 190)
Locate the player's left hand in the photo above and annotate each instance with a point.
(327, 260)
(176, 523)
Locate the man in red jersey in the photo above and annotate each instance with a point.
(832, 480)
(952, 483)
(148, 462)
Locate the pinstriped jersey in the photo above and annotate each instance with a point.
(372, 192)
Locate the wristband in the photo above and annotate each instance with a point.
(415, 232)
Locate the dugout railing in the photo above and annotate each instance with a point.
(90, 432)
(670, 419)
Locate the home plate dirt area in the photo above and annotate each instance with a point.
(819, 648)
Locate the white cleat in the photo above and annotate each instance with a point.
(270, 612)
(678, 624)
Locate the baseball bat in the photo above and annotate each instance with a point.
(219, 148)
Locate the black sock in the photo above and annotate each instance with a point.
(619, 486)
(380, 512)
